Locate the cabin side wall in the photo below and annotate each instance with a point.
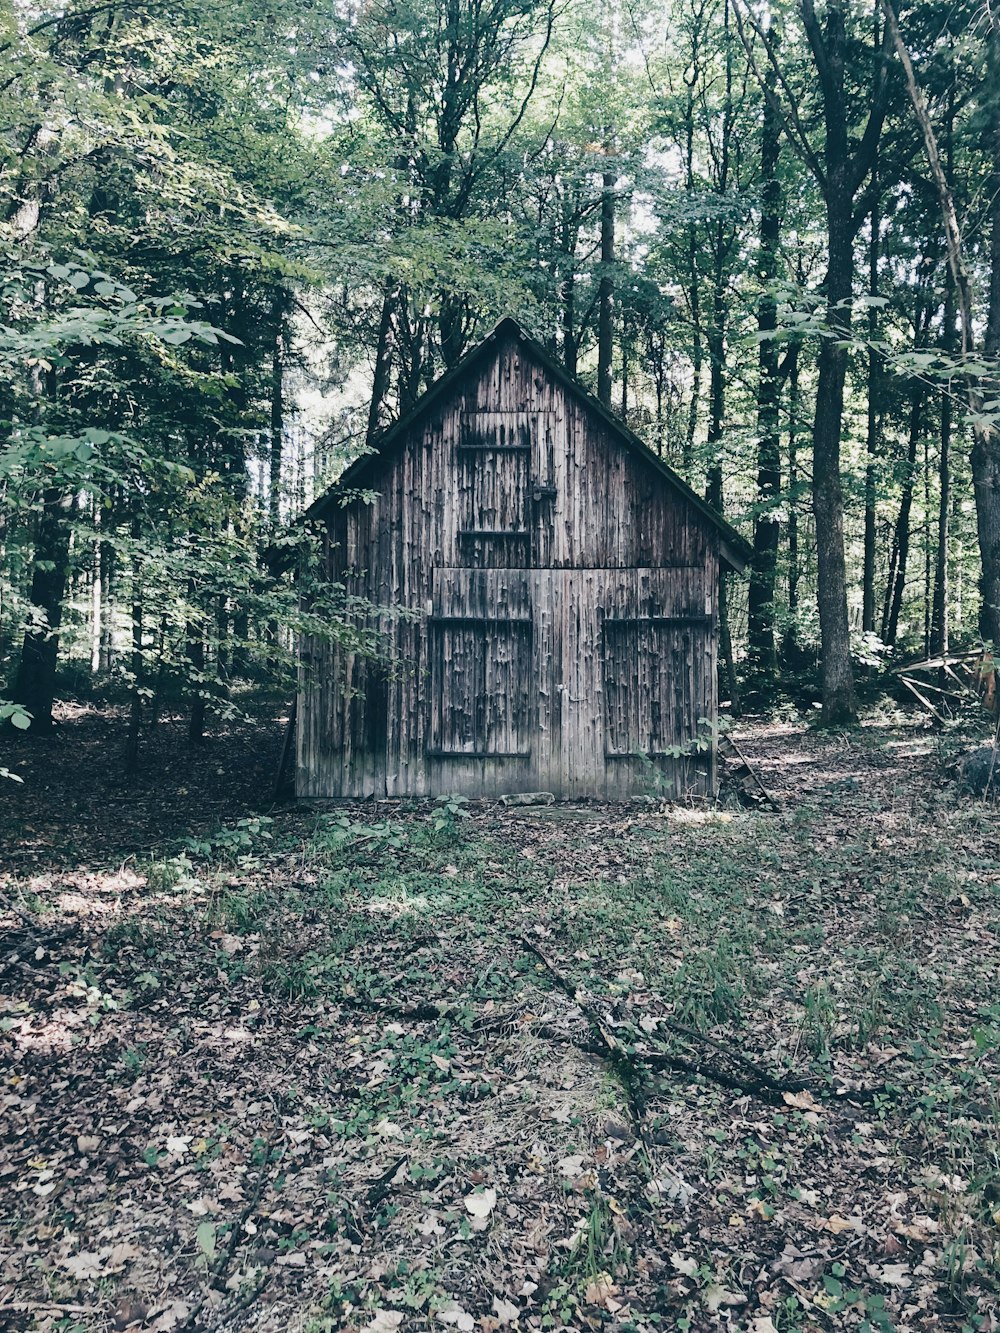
(543, 566)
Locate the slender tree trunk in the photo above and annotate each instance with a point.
(135, 702)
(277, 413)
(605, 312)
(939, 614)
(901, 543)
(196, 667)
(96, 627)
(767, 530)
(567, 286)
(383, 367)
(715, 496)
(697, 357)
(794, 572)
(35, 684)
(949, 342)
(986, 438)
(874, 437)
(986, 448)
(156, 703)
(828, 494)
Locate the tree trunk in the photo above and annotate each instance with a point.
(949, 342)
(901, 543)
(605, 312)
(986, 438)
(567, 284)
(35, 684)
(939, 613)
(874, 437)
(794, 573)
(277, 413)
(135, 703)
(828, 495)
(717, 405)
(986, 447)
(96, 625)
(767, 530)
(196, 668)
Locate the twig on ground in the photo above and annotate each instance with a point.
(751, 1078)
(381, 1187)
(220, 1266)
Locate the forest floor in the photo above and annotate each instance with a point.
(388, 1067)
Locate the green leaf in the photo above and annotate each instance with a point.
(21, 721)
(206, 1239)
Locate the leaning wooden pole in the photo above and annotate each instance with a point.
(986, 438)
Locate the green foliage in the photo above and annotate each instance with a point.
(241, 838)
(448, 812)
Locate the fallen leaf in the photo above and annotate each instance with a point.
(802, 1101)
(838, 1224)
(83, 1266)
(714, 1297)
(600, 1290)
(385, 1321)
(454, 1314)
(506, 1311)
(205, 1236)
(479, 1206)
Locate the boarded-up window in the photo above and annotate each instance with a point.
(653, 679)
(494, 465)
(481, 687)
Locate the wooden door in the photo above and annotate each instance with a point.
(634, 680)
(482, 686)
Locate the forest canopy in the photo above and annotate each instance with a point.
(241, 240)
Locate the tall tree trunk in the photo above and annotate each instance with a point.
(276, 422)
(949, 341)
(107, 654)
(901, 543)
(96, 624)
(986, 438)
(605, 312)
(135, 700)
(568, 233)
(874, 436)
(35, 684)
(828, 493)
(939, 614)
(196, 668)
(715, 496)
(794, 572)
(690, 434)
(766, 535)
(383, 367)
(986, 449)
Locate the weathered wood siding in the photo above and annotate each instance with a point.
(568, 593)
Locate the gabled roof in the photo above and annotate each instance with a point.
(735, 550)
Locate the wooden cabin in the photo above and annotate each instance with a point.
(565, 587)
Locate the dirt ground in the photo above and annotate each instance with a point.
(416, 1067)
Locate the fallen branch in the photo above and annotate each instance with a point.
(610, 1047)
(750, 1077)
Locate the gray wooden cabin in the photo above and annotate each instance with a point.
(567, 583)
